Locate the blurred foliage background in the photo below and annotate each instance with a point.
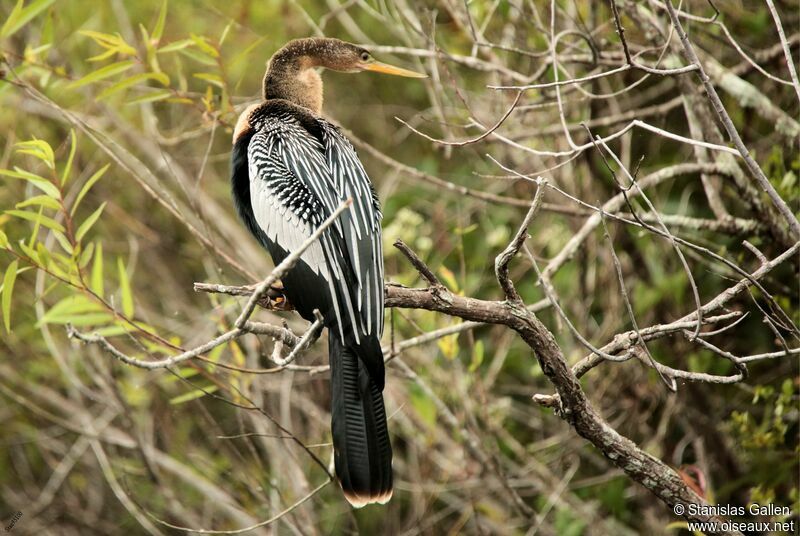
(115, 127)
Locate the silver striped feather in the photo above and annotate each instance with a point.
(295, 183)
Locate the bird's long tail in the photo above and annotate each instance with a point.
(362, 452)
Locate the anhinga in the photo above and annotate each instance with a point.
(290, 170)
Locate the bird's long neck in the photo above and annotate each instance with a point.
(291, 75)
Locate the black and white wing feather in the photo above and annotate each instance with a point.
(296, 181)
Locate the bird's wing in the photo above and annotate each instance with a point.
(292, 191)
(364, 237)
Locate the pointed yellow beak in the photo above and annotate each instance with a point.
(385, 68)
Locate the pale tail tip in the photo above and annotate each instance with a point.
(357, 501)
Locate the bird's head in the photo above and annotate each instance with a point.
(292, 72)
(336, 55)
(350, 58)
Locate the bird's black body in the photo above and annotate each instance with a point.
(342, 277)
(291, 169)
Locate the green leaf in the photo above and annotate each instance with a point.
(36, 226)
(193, 395)
(63, 242)
(246, 52)
(102, 73)
(184, 372)
(423, 405)
(41, 219)
(86, 187)
(3, 239)
(29, 251)
(44, 254)
(88, 222)
(449, 278)
(199, 56)
(68, 166)
(86, 255)
(210, 78)
(132, 81)
(175, 46)
(125, 289)
(69, 308)
(20, 16)
(8, 288)
(43, 200)
(151, 97)
(39, 182)
(477, 357)
(114, 44)
(38, 148)
(97, 271)
(225, 33)
(449, 346)
(158, 29)
(202, 44)
(82, 320)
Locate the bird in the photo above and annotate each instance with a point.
(290, 170)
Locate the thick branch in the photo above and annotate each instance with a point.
(575, 407)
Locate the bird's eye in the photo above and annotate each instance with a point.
(365, 56)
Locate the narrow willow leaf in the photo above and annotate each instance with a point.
(103, 56)
(96, 281)
(86, 255)
(68, 167)
(225, 33)
(36, 226)
(121, 85)
(477, 357)
(50, 223)
(193, 395)
(244, 53)
(8, 289)
(449, 278)
(81, 320)
(175, 46)
(3, 240)
(132, 81)
(86, 187)
(44, 255)
(43, 200)
(199, 56)
(61, 238)
(29, 251)
(158, 29)
(39, 182)
(102, 73)
(113, 331)
(449, 346)
(20, 16)
(88, 222)
(185, 373)
(125, 289)
(113, 42)
(145, 35)
(102, 39)
(12, 17)
(210, 78)
(202, 44)
(151, 97)
(38, 148)
(69, 307)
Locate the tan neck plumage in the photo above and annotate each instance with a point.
(294, 78)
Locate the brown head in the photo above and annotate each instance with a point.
(291, 73)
